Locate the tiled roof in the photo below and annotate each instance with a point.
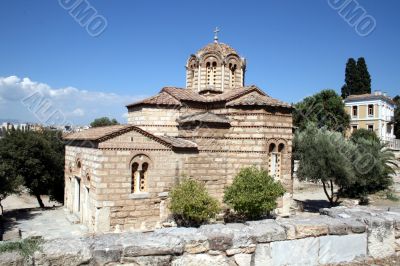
(223, 48)
(162, 98)
(100, 134)
(96, 133)
(178, 142)
(258, 100)
(179, 95)
(368, 97)
(205, 117)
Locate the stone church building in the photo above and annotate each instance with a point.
(119, 176)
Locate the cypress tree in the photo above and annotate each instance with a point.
(364, 82)
(351, 78)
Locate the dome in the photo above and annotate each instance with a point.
(218, 47)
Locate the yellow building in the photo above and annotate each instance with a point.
(374, 112)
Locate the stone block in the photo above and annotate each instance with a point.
(11, 259)
(243, 259)
(339, 249)
(219, 236)
(266, 231)
(148, 261)
(200, 260)
(289, 252)
(136, 244)
(381, 238)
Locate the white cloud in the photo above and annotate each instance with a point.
(27, 100)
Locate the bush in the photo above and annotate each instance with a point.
(363, 134)
(191, 204)
(253, 193)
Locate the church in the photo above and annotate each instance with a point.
(119, 177)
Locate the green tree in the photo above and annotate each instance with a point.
(326, 157)
(38, 158)
(397, 117)
(325, 108)
(364, 82)
(364, 134)
(8, 184)
(351, 78)
(104, 121)
(191, 204)
(373, 168)
(253, 193)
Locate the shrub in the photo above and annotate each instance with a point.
(253, 193)
(191, 204)
(363, 134)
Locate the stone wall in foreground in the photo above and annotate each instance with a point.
(338, 235)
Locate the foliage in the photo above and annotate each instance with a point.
(104, 121)
(357, 78)
(25, 247)
(325, 108)
(397, 117)
(191, 204)
(38, 158)
(8, 184)
(325, 157)
(373, 168)
(253, 193)
(364, 134)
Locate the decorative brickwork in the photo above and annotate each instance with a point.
(126, 171)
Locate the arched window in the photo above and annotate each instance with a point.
(275, 158)
(232, 74)
(211, 69)
(140, 166)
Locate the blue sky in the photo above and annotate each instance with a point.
(293, 49)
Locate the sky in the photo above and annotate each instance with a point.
(293, 50)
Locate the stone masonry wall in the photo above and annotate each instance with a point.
(340, 235)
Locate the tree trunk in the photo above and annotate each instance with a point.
(2, 209)
(39, 201)
(330, 198)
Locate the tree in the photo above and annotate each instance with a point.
(191, 204)
(8, 184)
(104, 121)
(357, 78)
(351, 78)
(325, 108)
(373, 168)
(397, 117)
(325, 156)
(38, 158)
(253, 193)
(364, 82)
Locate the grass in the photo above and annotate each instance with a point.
(25, 247)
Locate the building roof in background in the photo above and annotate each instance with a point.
(368, 97)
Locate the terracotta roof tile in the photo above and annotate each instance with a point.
(100, 134)
(161, 98)
(175, 96)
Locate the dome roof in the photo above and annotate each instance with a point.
(218, 47)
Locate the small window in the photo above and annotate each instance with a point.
(355, 110)
(140, 166)
(354, 128)
(371, 127)
(370, 110)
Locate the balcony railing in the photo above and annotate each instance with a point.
(389, 118)
(394, 144)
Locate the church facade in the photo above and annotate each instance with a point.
(119, 176)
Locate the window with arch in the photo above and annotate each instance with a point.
(232, 74)
(274, 159)
(140, 166)
(211, 69)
